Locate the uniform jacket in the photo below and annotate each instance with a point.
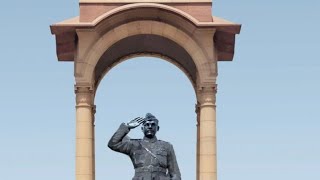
(152, 159)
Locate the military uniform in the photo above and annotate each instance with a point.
(152, 159)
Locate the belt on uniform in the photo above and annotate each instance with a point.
(151, 169)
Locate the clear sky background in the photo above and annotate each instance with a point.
(268, 112)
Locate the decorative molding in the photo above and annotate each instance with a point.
(84, 95)
(83, 87)
(207, 95)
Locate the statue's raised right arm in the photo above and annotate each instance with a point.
(118, 142)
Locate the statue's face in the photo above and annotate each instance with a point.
(150, 128)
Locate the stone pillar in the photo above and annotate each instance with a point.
(84, 133)
(207, 135)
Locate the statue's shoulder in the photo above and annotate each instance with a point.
(136, 142)
(164, 143)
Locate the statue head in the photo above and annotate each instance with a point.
(150, 126)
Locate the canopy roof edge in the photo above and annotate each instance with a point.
(142, 1)
(66, 37)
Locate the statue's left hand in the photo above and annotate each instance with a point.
(135, 122)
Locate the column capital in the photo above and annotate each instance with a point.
(207, 95)
(84, 95)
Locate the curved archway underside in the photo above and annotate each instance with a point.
(146, 44)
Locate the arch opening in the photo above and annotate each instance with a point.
(147, 86)
(142, 45)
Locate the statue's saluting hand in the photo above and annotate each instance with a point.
(135, 122)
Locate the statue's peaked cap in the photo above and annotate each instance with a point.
(149, 117)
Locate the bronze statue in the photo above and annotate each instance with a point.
(152, 159)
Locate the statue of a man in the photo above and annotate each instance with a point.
(152, 159)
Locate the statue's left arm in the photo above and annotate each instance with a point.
(173, 167)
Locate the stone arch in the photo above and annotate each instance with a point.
(156, 28)
(148, 45)
(175, 25)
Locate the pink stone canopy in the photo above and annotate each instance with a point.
(196, 14)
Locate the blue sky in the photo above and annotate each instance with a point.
(267, 103)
